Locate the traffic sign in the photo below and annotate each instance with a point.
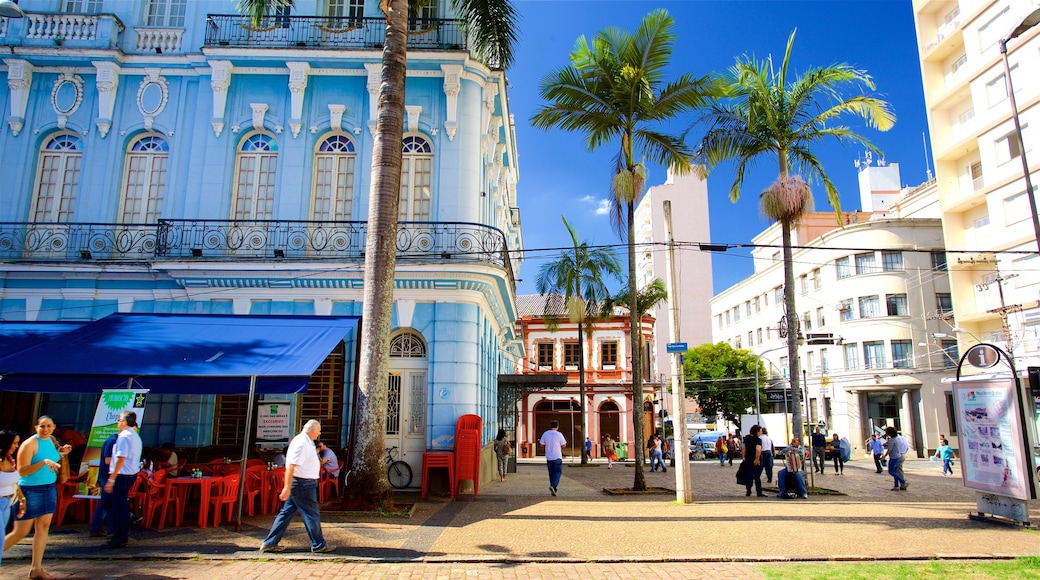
(677, 347)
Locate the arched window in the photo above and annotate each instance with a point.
(61, 159)
(334, 179)
(416, 179)
(145, 180)
(407, 345)
(256, 172)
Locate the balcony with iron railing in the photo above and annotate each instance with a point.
(329, 32)
(41, 29)
(248, 240)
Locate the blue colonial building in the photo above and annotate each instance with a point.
(170, 156)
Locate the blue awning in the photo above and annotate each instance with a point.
(18, 336)
(179, 354)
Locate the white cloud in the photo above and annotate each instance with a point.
(600, 206)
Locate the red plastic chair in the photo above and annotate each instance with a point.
(328, 483)
(136, 497)
(159, 497)
(66, 491)
(275, 482)
(255, 462)
(256, 479)
(225, 497)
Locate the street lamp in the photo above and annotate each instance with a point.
(758, 398)
(9, 9)
(1028, 22)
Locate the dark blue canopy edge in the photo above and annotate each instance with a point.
(174, 354)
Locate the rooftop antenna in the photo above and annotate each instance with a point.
(927, 163)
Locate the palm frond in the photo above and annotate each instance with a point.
(495, 25)
(257, 10)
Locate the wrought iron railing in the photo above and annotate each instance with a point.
(337, 32)
(47, 241)
(170, 239)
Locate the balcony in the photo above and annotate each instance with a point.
(329, 33)
(97, 31)
(160, 40)
(235, 240)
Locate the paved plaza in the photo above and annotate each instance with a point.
(516, 529)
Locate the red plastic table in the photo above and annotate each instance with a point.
(205, 484)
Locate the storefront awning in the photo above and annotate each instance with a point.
(179, 354)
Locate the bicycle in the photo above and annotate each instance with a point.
(398, 472)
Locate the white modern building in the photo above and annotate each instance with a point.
(986, 217)
(871, 296)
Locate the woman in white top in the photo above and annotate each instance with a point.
(9, 441)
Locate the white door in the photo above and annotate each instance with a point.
(406, 401)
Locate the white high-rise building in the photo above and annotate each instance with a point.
(986, 217)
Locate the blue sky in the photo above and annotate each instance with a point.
(559, 176)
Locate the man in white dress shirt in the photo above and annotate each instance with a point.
(300, 492)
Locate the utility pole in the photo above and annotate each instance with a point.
(683, 490)
(1003, 311)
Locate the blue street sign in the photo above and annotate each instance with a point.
(677, 347)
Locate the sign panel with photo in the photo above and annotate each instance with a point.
(990, 437)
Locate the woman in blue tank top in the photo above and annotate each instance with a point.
(38, 464)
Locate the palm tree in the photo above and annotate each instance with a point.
(578, 275)
(615, 89)
(764, 115)
(493, 32)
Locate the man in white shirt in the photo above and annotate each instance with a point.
(126, 457)
(300, 492)
(554, 443)
(767, 455)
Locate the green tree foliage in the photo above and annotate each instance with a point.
(722, 379)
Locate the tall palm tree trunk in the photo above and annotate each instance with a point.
(792, 329)
(368, 470)
(639, 481)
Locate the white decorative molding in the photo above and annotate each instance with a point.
(495, 125)
(66, 81)
(336, 116)
(490, 92)
(413, 112)
(298, 72)
(19, 80)
(313, 129)
(374, 71)
(357, 130)
(220, 80)
(259, 110)
(107, 85)
(235, 129)
(150, 85)
(452, 84)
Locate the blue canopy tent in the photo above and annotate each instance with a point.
(178, 354)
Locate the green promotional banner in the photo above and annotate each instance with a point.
(110, 405)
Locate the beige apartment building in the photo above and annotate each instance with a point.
(986, 217)
(871, 294)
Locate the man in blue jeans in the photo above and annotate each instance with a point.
(126, 462)
(300, 492)
(554, 443)
(101, 517)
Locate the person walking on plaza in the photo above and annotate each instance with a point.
(656, 447)
(39, 462)
(10, 495)
(734, 447)
(554, 443)
(126, 462)
(819, 446)
(767, 455)
(721, 448)
(794, 457)
(610, 450)
(945, 453)
(502, 452)
(895, 451)
(877, 449)
(300, 492)
(752, 463)
(836, 455)
(102, 516)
